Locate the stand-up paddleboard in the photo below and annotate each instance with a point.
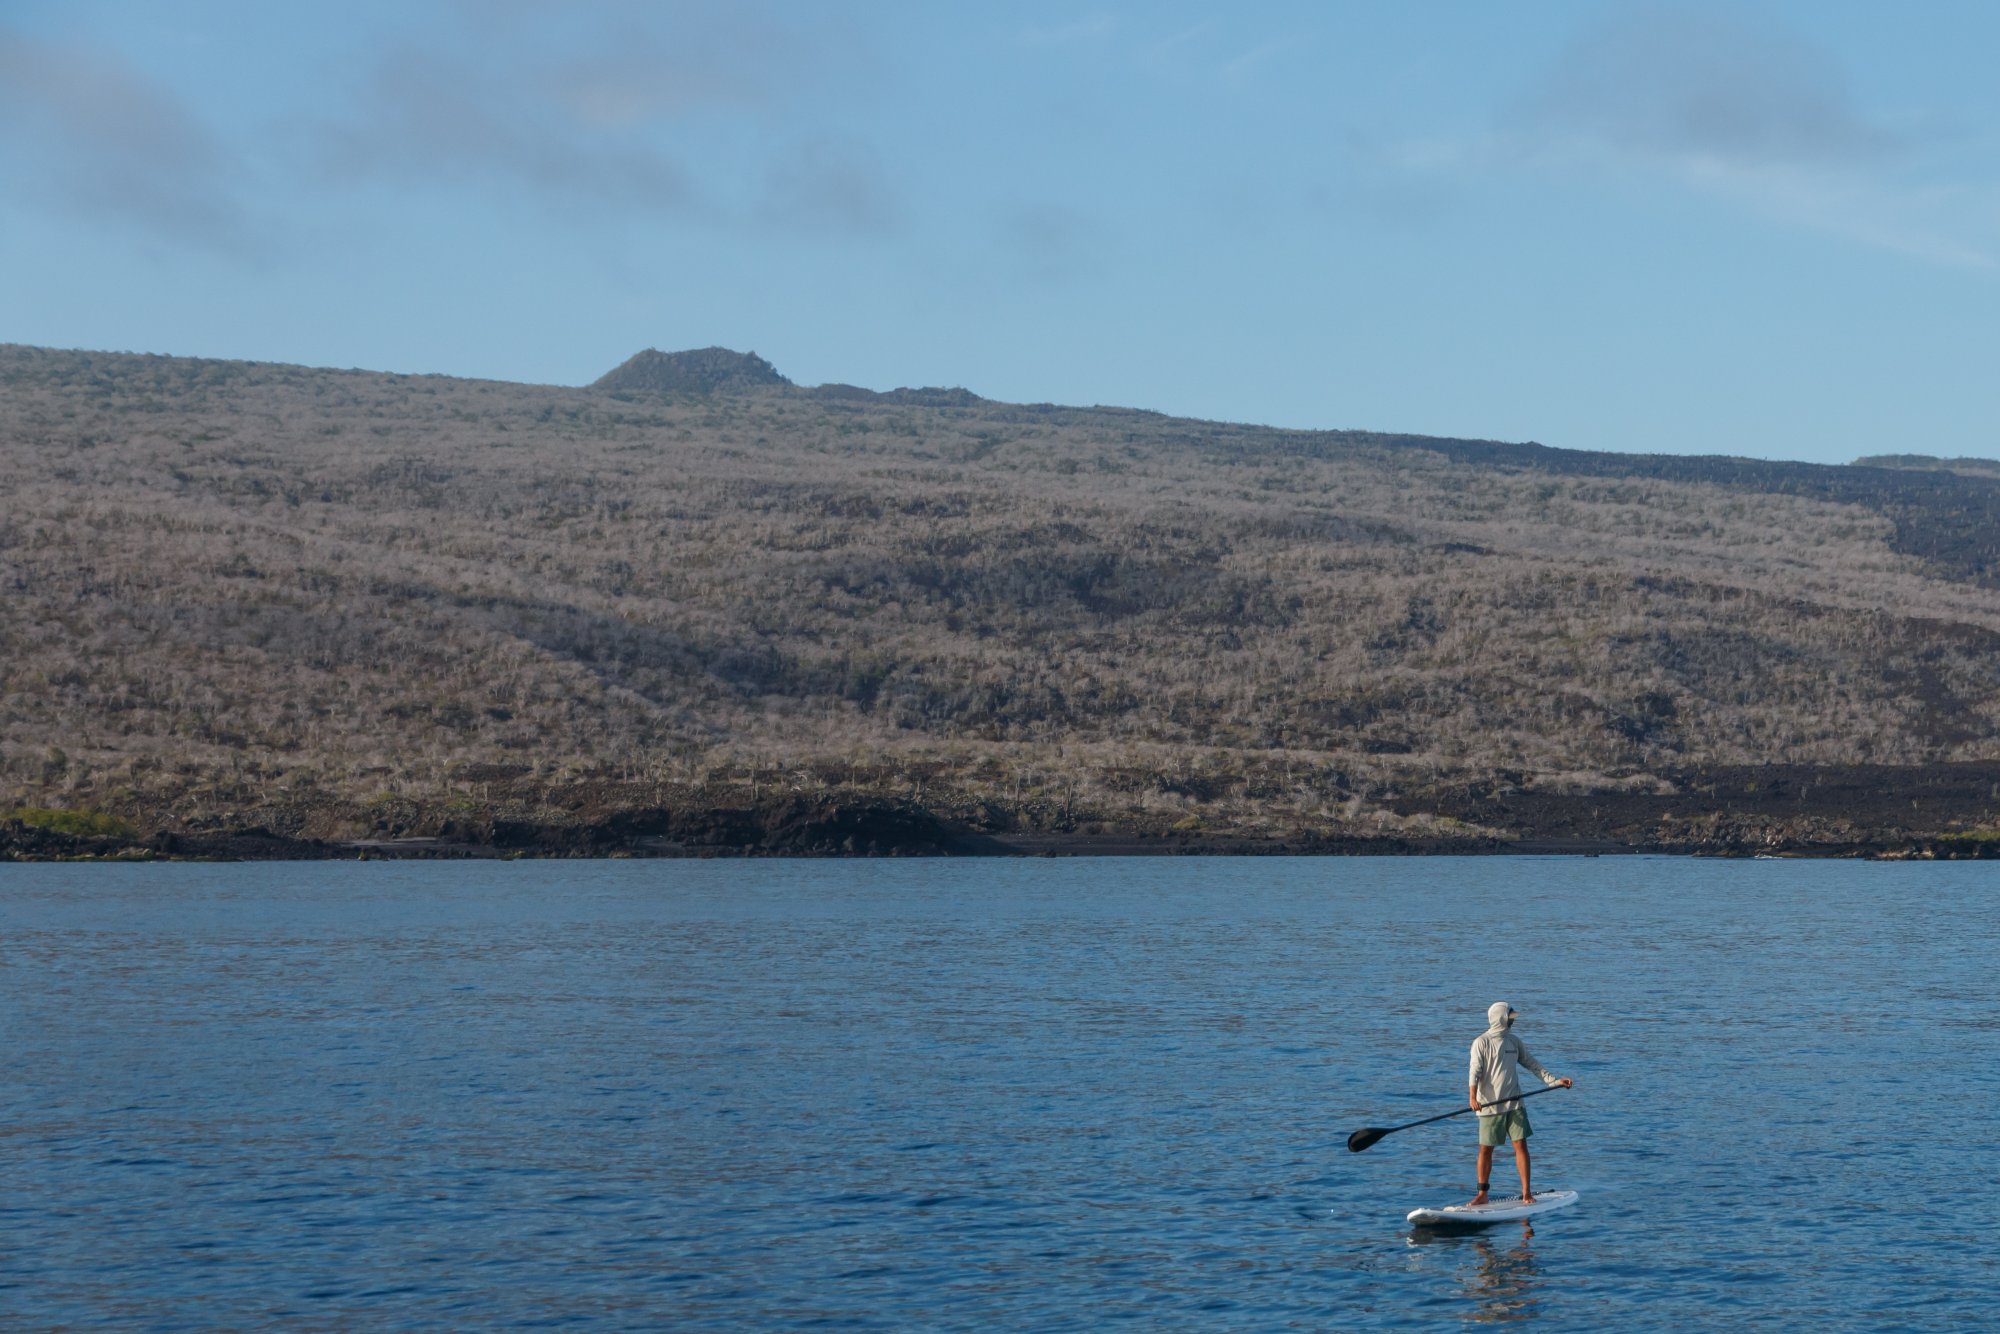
(1493, 1211)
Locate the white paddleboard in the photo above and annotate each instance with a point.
(1493, 1211)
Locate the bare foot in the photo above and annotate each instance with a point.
(1527, 1198)
(1480, 1198)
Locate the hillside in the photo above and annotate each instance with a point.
(695, 605)
(702, 371)
(1931, 463)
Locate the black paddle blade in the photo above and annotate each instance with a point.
(1364, 1137)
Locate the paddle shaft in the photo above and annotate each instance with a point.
(1446, 1116)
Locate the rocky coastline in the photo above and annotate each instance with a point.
(1934, 812)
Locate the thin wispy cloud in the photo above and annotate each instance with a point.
(423, 116)
(1174, 42)
(1757, 118)
(635, 65)
(1679, 83)
(1207, 51)
(1754, 116)
(1089, 28)
(88, 131)
(1240, 68)
(617, 89)
(830, 186)
(594, 116)
(1050, 244)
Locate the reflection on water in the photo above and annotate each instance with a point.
(1502, 1283)
(1499, 1279)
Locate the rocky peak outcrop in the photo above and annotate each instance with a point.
(704, 370)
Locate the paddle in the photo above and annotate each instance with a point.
(1367, 1135)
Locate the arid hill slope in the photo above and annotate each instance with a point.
(334, 602)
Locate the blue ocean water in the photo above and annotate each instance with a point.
(1026, 1094)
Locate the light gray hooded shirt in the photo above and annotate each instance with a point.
(1495, 1053)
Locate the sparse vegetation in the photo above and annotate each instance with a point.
(342, 603)
(77, 824)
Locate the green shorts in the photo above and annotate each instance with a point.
(1504, 1126)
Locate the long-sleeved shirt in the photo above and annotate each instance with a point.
(1494, 1079)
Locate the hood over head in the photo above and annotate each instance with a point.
(1500, 1017)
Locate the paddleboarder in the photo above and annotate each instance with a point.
(1495, 1091)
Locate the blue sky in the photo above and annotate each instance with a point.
(1767, 229)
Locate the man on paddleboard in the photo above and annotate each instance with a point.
(1495, 1055)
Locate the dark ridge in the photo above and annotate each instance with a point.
(1947, 516)
(1931, 463)
(935, 398)
(1949, 520)
(1825, 810)
(843, 393)
(700, 371)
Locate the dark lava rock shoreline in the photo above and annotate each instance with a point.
(1941, 812)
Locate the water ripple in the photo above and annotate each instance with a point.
(1051, 1095)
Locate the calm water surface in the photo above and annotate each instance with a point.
(1014, 1094)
